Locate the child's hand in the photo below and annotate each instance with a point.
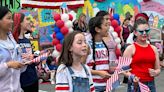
(27, 56)
(104, 74)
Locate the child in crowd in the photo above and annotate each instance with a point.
(11, 64)
(51, 63)
(29, 78)
(72, 75)
(99, 57)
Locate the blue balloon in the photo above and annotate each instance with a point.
(119, 22)
(61, 41)
(56, 29)
(116, 16)
(59, 36)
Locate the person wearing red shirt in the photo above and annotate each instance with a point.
(145, 59)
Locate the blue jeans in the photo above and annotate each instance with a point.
(150, 84)
(100, 88)
(80, 84)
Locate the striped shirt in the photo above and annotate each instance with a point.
(101, 62)
(64, 79)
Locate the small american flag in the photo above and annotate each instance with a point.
(124, 61)
(40, 58)
(143, 87)
(113, 82)
(123, 65)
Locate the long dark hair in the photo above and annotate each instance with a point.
(93, 23)
(3, 11)
(18, 19)
(102, 13)
(66, 56)
(125, 20)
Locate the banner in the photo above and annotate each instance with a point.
(45, 17)
(51, 4)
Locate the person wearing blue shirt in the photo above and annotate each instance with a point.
(29, 78)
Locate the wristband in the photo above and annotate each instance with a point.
(131, 77)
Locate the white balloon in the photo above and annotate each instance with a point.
(70, 30)
(65, 17)
(115, 35)
(111, 29)
(55, 53)
(117, 40)
(73, 13)
(68, 24)
(119, 46)
(96, 10)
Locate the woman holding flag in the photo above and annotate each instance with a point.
(29, 78)
(145, 61)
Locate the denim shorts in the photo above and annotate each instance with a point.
(150, 84)
(100, 88)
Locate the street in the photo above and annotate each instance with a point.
(121, 88)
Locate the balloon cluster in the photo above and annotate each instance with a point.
(115, 22)
(116, 28)
(62, 27)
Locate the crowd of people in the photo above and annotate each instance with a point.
(88, 56)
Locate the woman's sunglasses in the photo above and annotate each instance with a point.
(147, 31)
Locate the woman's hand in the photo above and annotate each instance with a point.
(153, 72)
(15, 64)
(136, 79)
(104, 74)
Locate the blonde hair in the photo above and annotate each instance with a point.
(80, 22)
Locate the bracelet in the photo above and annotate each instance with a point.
(131, 77)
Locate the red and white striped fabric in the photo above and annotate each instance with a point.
(113, 82)
(143, 87)
(62, 87)
(40, 58)
(52, 4)
(124, 61)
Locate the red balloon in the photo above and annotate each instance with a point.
(64, 30)
(114, 23)
(118, 30)
(55, 42)
(70, 17)
(57, 17)
(54, 35)
(118, 52)
(60, 23)
(59, 47)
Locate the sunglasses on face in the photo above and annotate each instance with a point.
(147, 31)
